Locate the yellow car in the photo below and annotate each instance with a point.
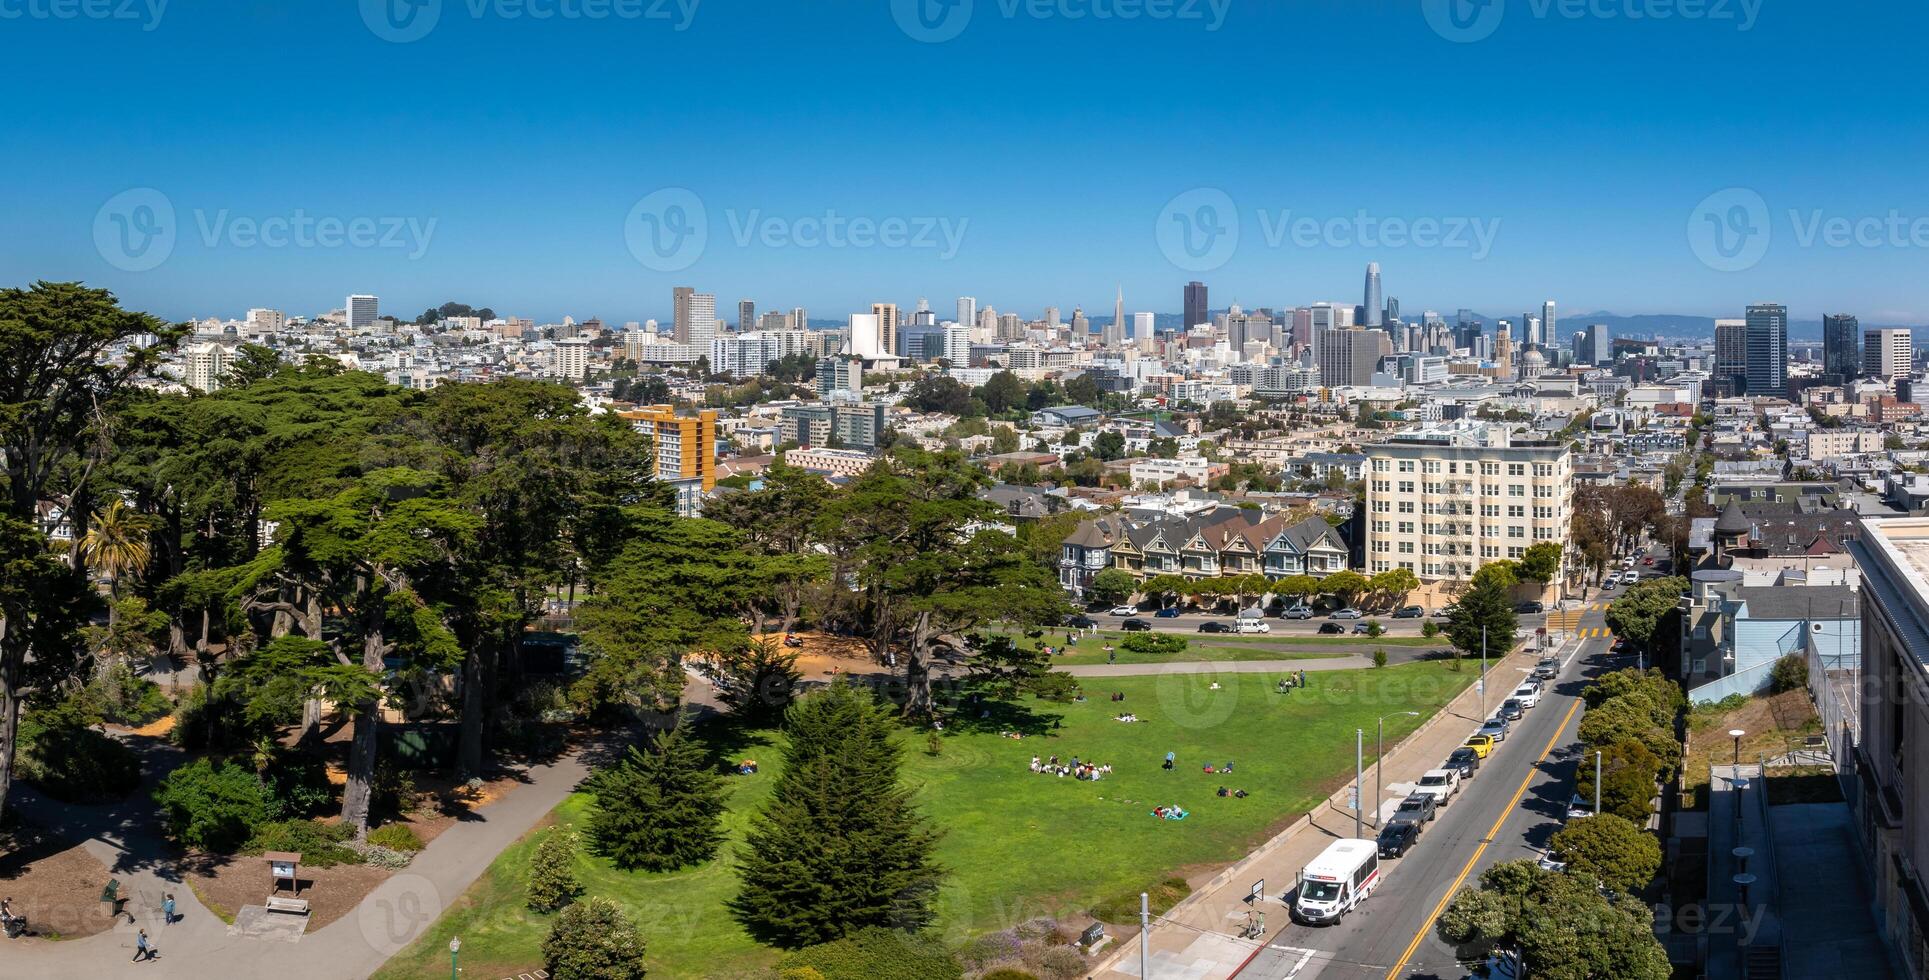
(1481, 744)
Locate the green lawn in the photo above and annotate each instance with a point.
(1017, 844)
(1236, 646)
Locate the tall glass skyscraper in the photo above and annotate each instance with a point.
(1195, 305)
(1841, 348)
(1373, 305)
(1767, 355)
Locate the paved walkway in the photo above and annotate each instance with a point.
(200, 946)
(1815, 847)
(1196, 938)
(1735, 924)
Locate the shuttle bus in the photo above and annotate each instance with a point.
(1337, 881)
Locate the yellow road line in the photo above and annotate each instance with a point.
(1493, 832)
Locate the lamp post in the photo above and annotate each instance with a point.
(1736, 734)
(1359, 746)
(1379, 767)
(455, 947)
(1481, 681)
(1597, 782)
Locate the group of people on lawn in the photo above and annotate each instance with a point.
(1074, 769)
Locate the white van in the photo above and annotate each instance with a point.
(1337, 881)
(1244, 625)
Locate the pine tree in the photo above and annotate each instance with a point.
(552, 873)
(657, 810)
(838, 846)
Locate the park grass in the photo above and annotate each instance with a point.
(1229, 647)
(1017, 844)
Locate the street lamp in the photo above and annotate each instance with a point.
(1736, 734)
(455, 947)
(1379, 767)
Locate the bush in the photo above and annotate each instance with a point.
(1053, 685)
(1061, 963)
(1621, 854)
(1379, 658)
(1007, 973)
(1789, 673)
(1124, 909)
(1374, 629)
(1429, 629)
(71, 762)
(320, 845)
(299, 787)
(552, 874)
(593, 940)
(876, 953)
(129, 700)
(396, 837)
(1161, 643)
(213, 809)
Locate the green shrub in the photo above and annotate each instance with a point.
(214, 809)
(71, 762)
(1374, 630)
(1007, 973)
(800, 973)
(1429, 629)
(1788, 674)
(878, 954)
(552, 873)
(593, 940)
(1053, 685)
(299, 786)
(1154, 643)
(124, 699)
(1379, 658)
(396, 837)
(1124, 909)
(320, 845)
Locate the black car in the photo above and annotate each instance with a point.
(1417, 808)
(1135, 625)
(1397, 837)
(1333, 628)
(1410, 612)
(1464, 759)
(1530, 606)
(1082, 622)
(1512, 710)
(1212, 627)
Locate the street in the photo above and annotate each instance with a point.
(1514, 804)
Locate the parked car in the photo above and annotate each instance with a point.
(1627, 562)
(1347, 613)
(1443, 612)
(1410, 612)
(1466, 760)
(1610, 582)
(1547, 862)
(1528, 695)
(1251, 626)
(1332, 628)
(1548, 669)
(1081, 622)
(1496, 728)
(1482, 745)
(1441, 784)
(1214, 627)
(1416, 808)
(1361, 629)
(1169, 612)
(1630, 577)
(1647, 561)
(1124, 611)
(1397, 837)
(1530, 606)
(1512, 710)
(1135, 626)
(1297, 611)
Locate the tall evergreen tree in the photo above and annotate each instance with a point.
(657, 810)
(839, 845)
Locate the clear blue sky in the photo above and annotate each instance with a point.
(1585, 144)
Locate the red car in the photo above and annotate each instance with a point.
(1647, 561)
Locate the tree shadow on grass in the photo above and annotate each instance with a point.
(990, 716)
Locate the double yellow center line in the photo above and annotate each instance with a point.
(1492, 833)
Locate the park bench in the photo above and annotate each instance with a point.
(293, 906)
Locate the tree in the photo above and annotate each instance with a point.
(1165, 588)
(1344, 586)
(1002, 392)
(55, 379)
(1789, 673)
(1111, 586)
(1628, 774)
(1109, 445)
(1557, 921)
(1540, 562)
(1298, 586)
(658, 810)
(1484, 618)
(757, 680)
(594, 940)
(1395, 584)
(552, 880)
(838, 845)
(1624, 856)
(1629, 719)
(1635, 613)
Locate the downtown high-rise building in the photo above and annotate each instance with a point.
(1113, 337)
(1731, 355)
(800, 317)
(1550, 324)
(1599, 345)
(746, 316)
(693, 318)
(361, 312)
(1767, 349)
(1841, 348)
(1195, 305)
(1373, 307)
(1888, 352)
(968, 310)
(887, 326)
(1143, 327)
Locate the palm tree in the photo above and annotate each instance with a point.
(116, 544)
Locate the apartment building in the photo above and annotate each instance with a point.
(686, 451)
(1444, 500)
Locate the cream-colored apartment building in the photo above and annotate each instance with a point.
(1444, 500)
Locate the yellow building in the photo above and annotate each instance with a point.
(686, 450)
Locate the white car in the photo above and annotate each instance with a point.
(1439, 784)
(1627, 562)
(1125, 610)
(1528, 695)
(1251, 626)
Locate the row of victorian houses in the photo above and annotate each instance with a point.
(1226, 541)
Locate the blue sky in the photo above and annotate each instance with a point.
(1029, 160)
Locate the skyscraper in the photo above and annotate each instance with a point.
(1767, 349)
(800, 317)
(1373, 307)
(1392, 309)
(968, 310)
(1731, 354)
(695, 318)
(1115, 331)
(362, 312)
(1841, 348)
(1142, 329)
(1549, 323)
(887, 326)
(746, 316)
(1195, 308)
(1600, 346)
(1888, 352)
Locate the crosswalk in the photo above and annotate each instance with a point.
(1593, 632)
(1568, 619)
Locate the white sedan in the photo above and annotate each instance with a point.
(1125, 610)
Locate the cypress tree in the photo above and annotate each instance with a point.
(839, 845)
(658, 810)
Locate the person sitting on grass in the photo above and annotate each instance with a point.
(1169, 759)
(1223, 792)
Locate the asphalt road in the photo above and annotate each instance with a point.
(1514, 804)
(1189, 623)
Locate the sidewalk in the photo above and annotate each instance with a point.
(1196, 938)
(1735, 924)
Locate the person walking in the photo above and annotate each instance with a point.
(167, 909)
(141, 949)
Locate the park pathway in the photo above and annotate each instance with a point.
(126, 838)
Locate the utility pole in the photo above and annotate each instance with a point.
(1481, 681)
(1145, 930)
(1597, 782)
(1359, 747)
